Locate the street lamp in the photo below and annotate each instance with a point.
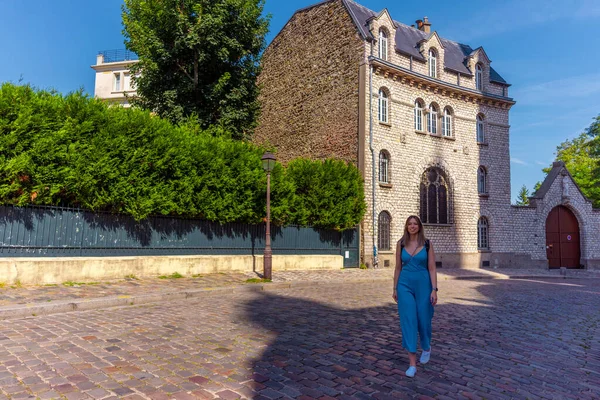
(268, 162)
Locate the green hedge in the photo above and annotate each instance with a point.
(75, 151)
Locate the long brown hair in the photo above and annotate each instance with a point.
(420, 235)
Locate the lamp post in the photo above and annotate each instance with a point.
(268, 162)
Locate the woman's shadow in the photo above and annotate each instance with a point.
(321, 350)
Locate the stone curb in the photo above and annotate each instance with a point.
(63, 306)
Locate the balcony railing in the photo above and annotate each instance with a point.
(118, 55)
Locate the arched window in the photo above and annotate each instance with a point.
(447, 122)
(483, 239)
(434, 196)
(432, 63)
(432, 119)
(383, 228)
(480, 129)
(384, 167)
(383, 106)
(383, 44)
(418, 116)
(478, 77)
(482, 180)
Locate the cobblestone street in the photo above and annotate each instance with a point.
(495, 339)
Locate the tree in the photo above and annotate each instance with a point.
(329, 194)
(582, 158)
(75, 151)
(198, 58)
(537, 186)
(523, 197)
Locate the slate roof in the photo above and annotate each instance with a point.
(407, 39)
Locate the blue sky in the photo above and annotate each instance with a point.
(547, 50)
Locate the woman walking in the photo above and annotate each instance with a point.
(415, 290)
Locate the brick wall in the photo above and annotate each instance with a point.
(309, 86)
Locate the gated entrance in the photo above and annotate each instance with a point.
(562, 238)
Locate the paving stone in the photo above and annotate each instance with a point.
(492, 338)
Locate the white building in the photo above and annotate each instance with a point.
(113, 80)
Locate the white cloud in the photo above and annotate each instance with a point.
(517, 161)
(558, 91)
(543, 164)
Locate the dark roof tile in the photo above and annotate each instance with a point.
(407, 39)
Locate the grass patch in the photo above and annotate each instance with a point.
(71, 283)
(131, 276)
(258, 280)
(2, 285)
(363, 266)
(17, 285)
(197, 276)
(174, 275)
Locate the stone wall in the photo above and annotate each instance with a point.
(459, 156)
(309, 86)
(529, 223)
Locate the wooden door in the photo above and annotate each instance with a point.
(562, 238)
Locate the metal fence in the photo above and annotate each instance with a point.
(118, 55)
(66, 232)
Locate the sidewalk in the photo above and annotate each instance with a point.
(18, 302)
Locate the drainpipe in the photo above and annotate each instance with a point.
(375, 263)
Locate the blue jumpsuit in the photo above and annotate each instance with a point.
(414, 301)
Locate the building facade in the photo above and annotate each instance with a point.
(426, 120)
(113, 79)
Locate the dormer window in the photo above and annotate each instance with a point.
(478, 77)
(383, 45)
(432, 63)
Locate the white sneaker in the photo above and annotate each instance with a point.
(411, 371)
(425, 355)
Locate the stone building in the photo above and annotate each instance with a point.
(426, 120)
(113, 80)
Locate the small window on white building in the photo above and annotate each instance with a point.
(478, 77)
(384, 167)
(482, 180)
(117, 82)
(432, 63)
(483, 239)
(432, 119)
(383, 106)
(480, 129)
(447, 123)
(383, 44)
(418, 116)
(126, 81)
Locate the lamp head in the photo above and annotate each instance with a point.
(268, 161)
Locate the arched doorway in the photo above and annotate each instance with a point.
(562, 238)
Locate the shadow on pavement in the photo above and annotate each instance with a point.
(506, 339)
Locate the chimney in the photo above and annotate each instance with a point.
(424, 25)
